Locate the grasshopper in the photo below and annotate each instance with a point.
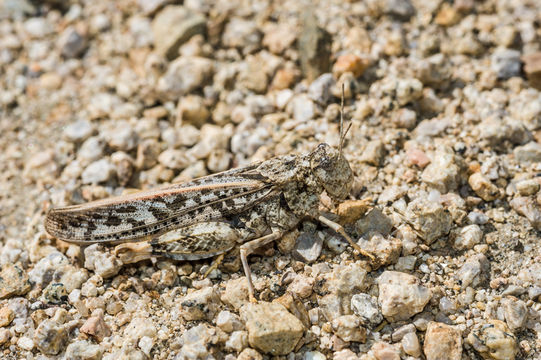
(208, 216)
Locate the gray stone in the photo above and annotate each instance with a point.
(228, 322)
(78, 131)
(506, 63)
(373, 153)
(529, 153)
(314, 44)
(174, 26)
(51, 336)
(308, 247)
(515, 312)
(467, 237)
(374, 222)
(366, 307)
(474, 272)
(98, 172)
(443, 174)
(91, 150)
(72, 43)
(56, 267)
(103, 263)
(185, 75)
(320, 89)
(429, 218)
(175, 159)
(84, 350)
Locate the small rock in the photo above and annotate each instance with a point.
(493, 340)
(408, 90)
(375, 222)
(348, 328)
(237, 341)
(139, 328)
(506, 63)
(407, 119)
(532, 68)
(531, 274)
(384, 351)
(175, 159)
(467, 237)
(373, 153)
(429, 218)
(442, 342)
(13, 281)
(249, 354)
(173, 26)
(72, 42)
(200, 304)
(320, 89)
(314, 355)
(96, 327)
(198, 340)
(529, 153)
(54, 293)
(303, 108)
(25, 343)
(401, 9)
(91, 150)
(366, 307)
(253, 75)
(386, 250)
(296, 306)
(219, 160)
(236, 293)
(271, 328)
(350, 211)
(485, 189)
(120, 135)
(308, 247)
(228, 322)
(401, 296)
(78, 131)
(98, 172)
(349, 63)
(400, 332)
(6, 316)
(301, 286)
(447, 16)
(185, 75)
(410, 344)
(516, 313)
(243, 34)
(192, 110)
(529, 208)
(279, 38)
(83, 350)
(528, 187)
(51, 337)
(103, 263)
(56, 267)
(314, 45)
(443, 174)
(474, 272)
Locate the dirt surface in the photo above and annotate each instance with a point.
(444, 101)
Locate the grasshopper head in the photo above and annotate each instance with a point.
(332, 171)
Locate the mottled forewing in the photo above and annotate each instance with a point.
(151, 213)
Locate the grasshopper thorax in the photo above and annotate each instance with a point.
(332, 171)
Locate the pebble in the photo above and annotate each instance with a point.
(279, 38)
(102, 263)
(72, 42)
(528, 187)
(236, 293)
(99, 171)
(493, 340)
(429, 218)
(271, 328)
(237, 341)
(301, 286)
(401, 296)
(6, 316)
(320, 89)
(243, 34)
(314, 355)
(185, 75)
(197, 341)
(84, 350)
(249, 354)
(350, 211)
(192, 110)
(78, 131)
(474, 272)
(138, 328)
(96, 327)
(516, 313)
(529, 153)
(348, 328)
(400, 332)
(13, 281)
(228, 321)
(373, 153)
(407, 119)
(200, 304)
(467, 237)
(482, 186)
(173, 26)
(506, 63)
(25, 343)
(51, 337)
(308, 247)
(56, 266)
(314, 46)
(350, 63)
(529, 208)
(91, 150)
(410, 344)
(442, 342)
(408, 90)
(385, 249)
(303, 108)
(175, 159)
(38, 27)
(375, 222)
(443, 173)
(532, 68)
(384, 351)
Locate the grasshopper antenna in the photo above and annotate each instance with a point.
(342, 132)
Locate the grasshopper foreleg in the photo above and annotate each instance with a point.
(340, 229)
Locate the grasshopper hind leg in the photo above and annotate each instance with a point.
(195, 242)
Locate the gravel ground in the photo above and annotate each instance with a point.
(101, 97)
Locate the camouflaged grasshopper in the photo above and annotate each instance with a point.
(209, 216)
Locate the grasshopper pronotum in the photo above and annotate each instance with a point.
(206, 217)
